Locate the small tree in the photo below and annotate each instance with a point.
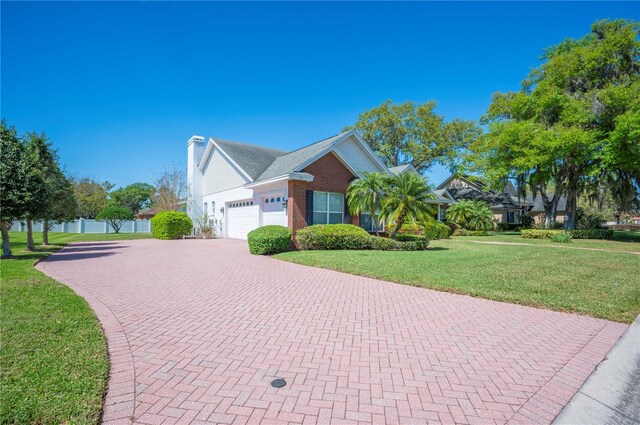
(61, 205)
(171, 190)
(365, 195)
(472, 215)
(13, 188)
(91, 196)
(136, 196)
(407, 197)
(115, 216)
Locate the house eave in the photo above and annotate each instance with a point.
(291, 176)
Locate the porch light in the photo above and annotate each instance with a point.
(285, 203)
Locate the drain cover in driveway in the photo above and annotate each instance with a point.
(278, 383)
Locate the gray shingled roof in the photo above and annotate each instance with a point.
(254, 160)
(290, 162)
(399, 169)
(495, 200)
(537, 203)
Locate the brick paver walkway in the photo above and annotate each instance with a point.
(198, 329)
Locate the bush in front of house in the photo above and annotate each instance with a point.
(436, 230)
(465, 232)
(592, 233)
(508, 227)
(270, 239)
(561, 237)
(402, 237)
(332, 236)
(171, 225)
(539, 233)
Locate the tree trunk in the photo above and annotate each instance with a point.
(30, 245)
(6, 247)
(572, 202)
(45, 232)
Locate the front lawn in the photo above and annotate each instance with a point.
(596, 283)
(52, 351)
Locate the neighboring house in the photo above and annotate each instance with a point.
(242, 187)
(146, 214)
(506, 205)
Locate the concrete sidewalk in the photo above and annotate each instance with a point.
(611, 395)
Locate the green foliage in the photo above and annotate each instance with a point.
(508, 227)
(590, 219)
(471, 214)
(267, 240)
(171, 225)
(13, 187)
(410, 228)
(561, 237)
(573, 124)
(115, 216)
(464, 232)
(91, 196)
(409, 133)
(539, 233)
(384, 244)
(332, 236)
(408, 237)
(135, 197)
(592, 233)
(526, 220)
(407, 199)
(434, 230)
(364, 195)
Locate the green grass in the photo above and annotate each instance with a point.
(595, 283)
(623, 241)
(52, 349)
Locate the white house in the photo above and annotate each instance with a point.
(242, 187)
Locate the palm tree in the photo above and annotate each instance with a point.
(407, 198)
(459, 212)
(481, 217)
(472, 215)
(365, 195)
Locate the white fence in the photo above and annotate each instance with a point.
(87, 226)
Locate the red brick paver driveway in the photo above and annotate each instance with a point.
(197, 330)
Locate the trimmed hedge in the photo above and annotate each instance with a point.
(437, 230)
(592, 233)
(539, 233)
(508, 227)
(401, 237)
(464, 232)
(171, 225)
(332, 236)
(269, 240)
(575, 234)
(411, 228)
(347, 236)
(626, 227)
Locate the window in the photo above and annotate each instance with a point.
(511, 217)
(328, 208)
(367, 224)
(205, 209)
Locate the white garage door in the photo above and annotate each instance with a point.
(241, 220)
(273, 212)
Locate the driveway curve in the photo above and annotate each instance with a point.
(198, 329)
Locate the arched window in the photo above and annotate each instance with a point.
(266, 201)
(278, 200)
(273, 200)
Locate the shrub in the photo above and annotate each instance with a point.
(411, 228)
(561, 237)
(586, 219)
(402, 237)
(170, 225)
(626, 227)
(437, 230)
(592, 233)
(453, 226)
(539, 233)
(115, 216)
(417, 245)
(508, 227)
(333, 236)
(269, 240)
(553, 225)
(526, 220)
(464, 232)
(383, 244)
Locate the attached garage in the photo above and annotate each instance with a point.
(273, 211)
(241, 218)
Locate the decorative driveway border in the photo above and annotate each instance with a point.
(196, 331)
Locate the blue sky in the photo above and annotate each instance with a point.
(119, 87)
